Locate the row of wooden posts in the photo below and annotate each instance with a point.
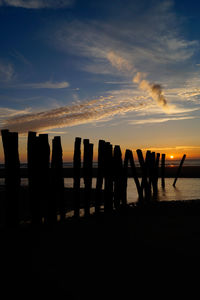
(46, 182)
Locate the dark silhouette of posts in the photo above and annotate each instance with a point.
(145, 167)
(179, 169)
(163, 171)
(57, 182)
(77, 176)
(12, 176)
(135, 176)
(87, 174)
(44, 175)
(33, 165)
(125, 179)
(108, 193)
(100, 176)
(117, 176)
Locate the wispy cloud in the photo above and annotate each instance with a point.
(119, 62)
(149, 38)
(6, 72)
(44, 85)
(6, 113)
(160, 120)
(81, 113)
(37, 4)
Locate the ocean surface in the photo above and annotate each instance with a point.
(186, 188)
(174, 162)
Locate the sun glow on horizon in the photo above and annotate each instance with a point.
(172, 156)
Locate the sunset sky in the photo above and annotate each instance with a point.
(126, 71)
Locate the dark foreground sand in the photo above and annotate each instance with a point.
(152, 250)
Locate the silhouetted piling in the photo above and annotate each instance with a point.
(12, 176)
(57, 182)
(125, 178)
(32, 156)
(76, 176)
(135, 176)
(108, 198)
(44, 176)
(100, 175)
(117, 176)
(163, 171)
(87, 174)
(154, 172)
(145, 169)
(179, 169)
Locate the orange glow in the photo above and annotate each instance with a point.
(171, 156)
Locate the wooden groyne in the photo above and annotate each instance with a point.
(45, 173)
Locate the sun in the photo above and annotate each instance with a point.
(171, 156)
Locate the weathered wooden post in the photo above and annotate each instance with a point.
(77, 176)
(125, 179)
(135, 176)
(154, 172)
(87, 174)
(108, 199)
(12, 176)
(145, 169)
(44, 174)
(33, 165)
(163, 171)
(100, 174)
(117, 176)
(179, 170)
(57, 182)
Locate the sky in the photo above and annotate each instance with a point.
(126, 71)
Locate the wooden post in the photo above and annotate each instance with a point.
(76, 175)
(100, 174)
(43, 175)
(117, 176)
(33, 165)
(87, 174)
(179, 169)
(154, 172)
(12, 176)
(108, 199)
(135, 176)
(125, 179)
(163, 171)
(57, 182)
(144, 167)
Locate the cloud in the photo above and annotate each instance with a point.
(119, 62)
(154, 91)
(37, 4)
(149, 38)
(159, 120)
(80, 113)
(6, 113)
(6, 72)
(45, 85)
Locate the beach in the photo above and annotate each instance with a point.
(133, 250)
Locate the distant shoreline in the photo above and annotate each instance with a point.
(170, 172)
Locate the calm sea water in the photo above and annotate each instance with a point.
(186, 188)
(174, 162)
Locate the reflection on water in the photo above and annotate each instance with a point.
(186, 188)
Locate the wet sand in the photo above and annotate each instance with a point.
(138, 249)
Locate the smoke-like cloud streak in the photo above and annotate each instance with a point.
(86, 112)
(154, 90)
(37, 4)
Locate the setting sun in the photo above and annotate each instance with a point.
(171, 156)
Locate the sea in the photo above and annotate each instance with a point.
(186, 188)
